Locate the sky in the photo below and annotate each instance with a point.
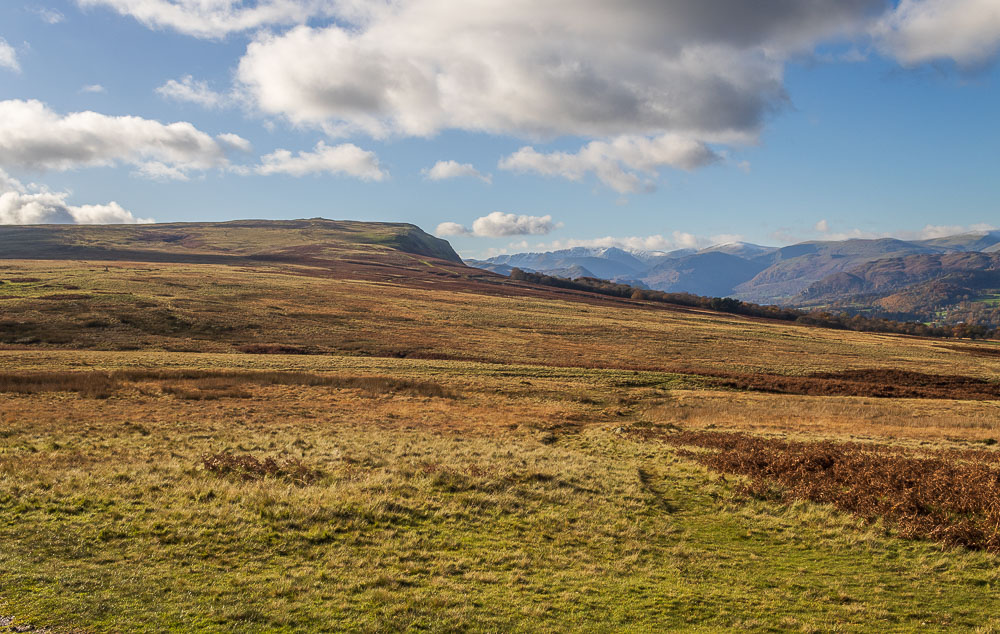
(508, 125)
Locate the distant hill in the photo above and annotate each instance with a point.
(986, 242)
(221, 242)
(682, 270)
(951, 279)
(792, 269)
(712, 273)
(606, 263)
(740, 249)
(742, 270)
(951, 287)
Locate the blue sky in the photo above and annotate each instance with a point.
(643, 124)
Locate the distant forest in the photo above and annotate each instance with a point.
(823, 319)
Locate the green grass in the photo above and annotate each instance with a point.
(424, 519)
(992, 300)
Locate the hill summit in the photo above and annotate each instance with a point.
(303, 241)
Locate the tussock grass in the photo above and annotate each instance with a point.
(89, 384)
(249, 467)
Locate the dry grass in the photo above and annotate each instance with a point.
(161, 305)
(831, 416)
(514, 507)
(202, 384)
(879, 383)
(222, 484)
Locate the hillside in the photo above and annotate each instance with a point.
(235, 242)
(853, 275)
(711, 273)
(952, 288)
(315, 286)
(261, 427)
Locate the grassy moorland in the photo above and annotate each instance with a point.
(447, 451)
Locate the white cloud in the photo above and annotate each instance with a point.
(942, 231)
(919, 31)
(93, 88)
(346, 158)
(31, 204)
(710, 71)
(8, 57)
(33, 136)
(452, 229)
(191, 90)
(790, 236)
(615, 162)
(658, 242)
(217, 18)
(234, 142)
(498, 225)
(157, 171)
(444, 170)
(50, 16)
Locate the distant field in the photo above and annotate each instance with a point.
(400, 443)
(214, 308)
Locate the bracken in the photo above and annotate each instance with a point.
(951, 496)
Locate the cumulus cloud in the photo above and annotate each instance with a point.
(8, 57)
(190, 90)
(919, 31)
(710, 70)
(32, 204)
(619, 163)
(234, 142)
(33, 136)
(445, 170)
(93, 88)
(346, 158)
(498, 225)
(218, 18)
(452, 229)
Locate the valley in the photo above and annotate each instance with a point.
(942, 281)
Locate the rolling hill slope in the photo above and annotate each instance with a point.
(231, 430)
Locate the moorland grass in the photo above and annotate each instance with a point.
(190, 307)
(515, 507)
(170, 463)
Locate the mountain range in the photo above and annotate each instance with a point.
(920, 279)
